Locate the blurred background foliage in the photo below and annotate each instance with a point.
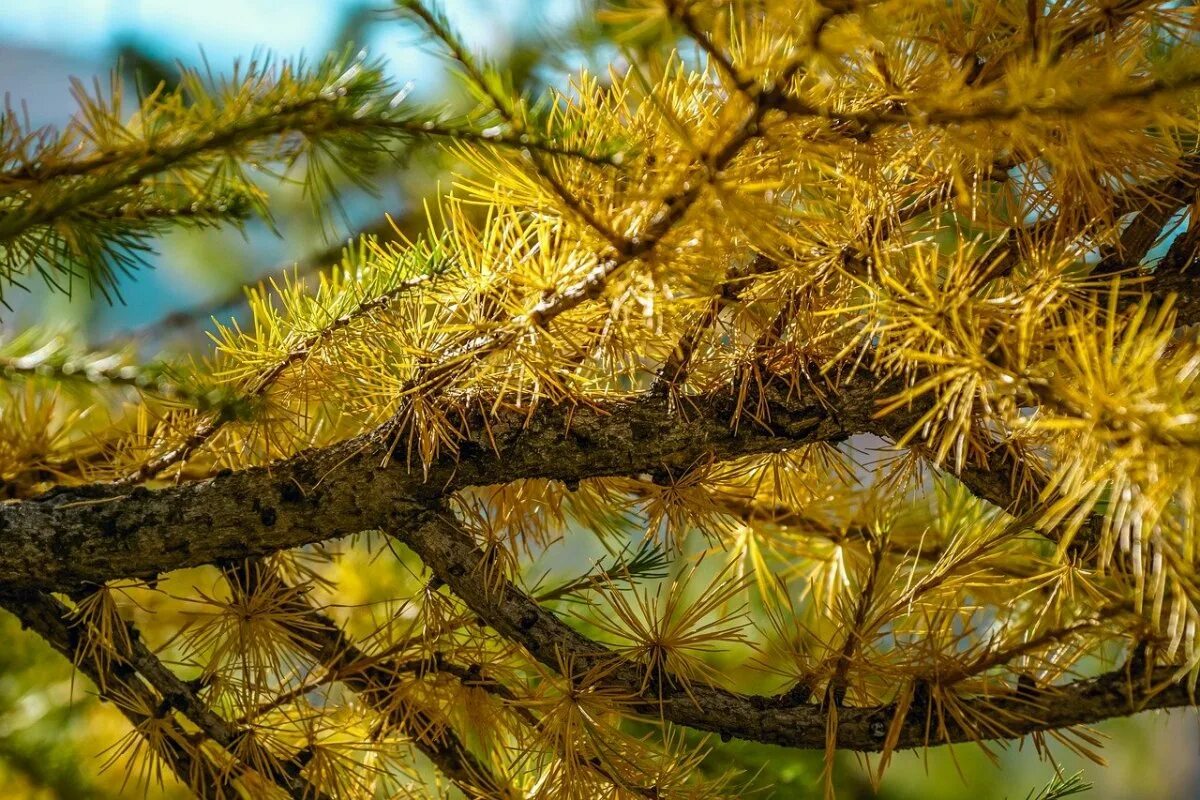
(56, 739)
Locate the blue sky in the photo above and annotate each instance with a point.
(223, 25)
(229, 29)
(232, 27)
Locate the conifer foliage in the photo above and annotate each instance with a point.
(824, 374)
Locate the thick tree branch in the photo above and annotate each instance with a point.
(74, 538)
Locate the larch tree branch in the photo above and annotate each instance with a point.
(48, 618)
(675, 302)
(86, 536)
(452, 555)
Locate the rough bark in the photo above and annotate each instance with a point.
(85, 536)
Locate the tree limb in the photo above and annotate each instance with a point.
(46, 617)
(452, 556)
(76, 538)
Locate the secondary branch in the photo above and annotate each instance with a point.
(452, 556)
